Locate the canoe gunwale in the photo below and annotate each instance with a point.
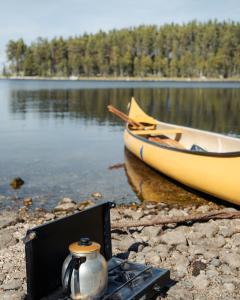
(210, 154)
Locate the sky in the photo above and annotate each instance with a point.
(29, 19)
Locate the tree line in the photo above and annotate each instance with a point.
(195, 49)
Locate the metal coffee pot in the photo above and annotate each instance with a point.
(84, 271)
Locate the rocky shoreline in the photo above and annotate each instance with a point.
(204, 258)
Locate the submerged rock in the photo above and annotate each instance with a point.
(16, 183)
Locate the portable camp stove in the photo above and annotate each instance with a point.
(47, 246)
(128, 281)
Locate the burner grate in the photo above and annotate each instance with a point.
(128, 281)
(129, 277)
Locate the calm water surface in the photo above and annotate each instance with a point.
(59, 137)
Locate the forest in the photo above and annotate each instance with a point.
(193, 50)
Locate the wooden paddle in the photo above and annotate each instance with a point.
(125, 118)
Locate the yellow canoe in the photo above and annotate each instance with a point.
(206, 161)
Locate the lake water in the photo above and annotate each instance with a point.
(59, 137)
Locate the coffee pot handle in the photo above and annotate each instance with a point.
(74, 263)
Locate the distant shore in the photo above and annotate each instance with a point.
(127, 79)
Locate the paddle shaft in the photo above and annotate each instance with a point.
(124, 117)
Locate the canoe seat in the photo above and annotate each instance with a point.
(157, 132)
(167, 142)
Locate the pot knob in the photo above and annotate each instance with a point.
(85, 241)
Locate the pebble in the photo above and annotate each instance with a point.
(6, 238)
(8, 218)
(201, 282)
(197, 266)
(174, 238)
(65, 205)
(211, 274)
(96, 195)
(179, 293)
(14, 284)
(226, 231)
(194, 237)
(146, 249)
(153, 258)
(124, 244)
(162, 250)
(232, 259)
(138, 215)
(217, 242)
(208, 229)
(229, 287)
(151, 231)
(85, 204)
(27, 201)
(49, 216)
(211, 253)
(2, 277)
(215, 262)
(203, 208)
(236, 240)
(12, 295)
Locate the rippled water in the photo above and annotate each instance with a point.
(59, 137)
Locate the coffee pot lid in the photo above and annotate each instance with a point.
(84, 245)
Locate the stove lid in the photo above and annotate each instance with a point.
(46, 246)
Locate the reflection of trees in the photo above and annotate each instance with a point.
(210, 109)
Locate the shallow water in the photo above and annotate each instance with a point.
(59, 137)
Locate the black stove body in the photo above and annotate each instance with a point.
(46, 247)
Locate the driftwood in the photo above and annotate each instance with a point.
(116, 166)
(214, 215)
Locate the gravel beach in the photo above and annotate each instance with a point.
(204, 258)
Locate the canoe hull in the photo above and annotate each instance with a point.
(215, 175)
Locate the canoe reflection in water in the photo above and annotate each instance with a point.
(150, 185)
